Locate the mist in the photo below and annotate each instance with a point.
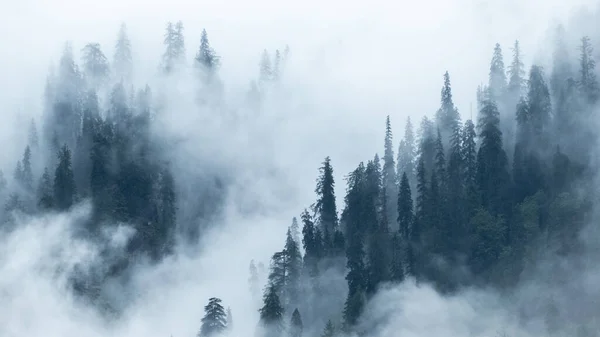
(242, 174)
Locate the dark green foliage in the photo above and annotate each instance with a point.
(312, 244)
(388, 176)
(406, 155)
(64, 181)
(488, 242)
(447, 117)
(214, 321)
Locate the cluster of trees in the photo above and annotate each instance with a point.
(96, 143)
(462, 204)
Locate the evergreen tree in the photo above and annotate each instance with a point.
(329, 330)
(561, 66)
(45, 192)
(122, 60)
(27, 173)
(539, 107)
(405, 209)
(214, 321)
(168, 214)
(266, 69)
(33, 135)
(207, 59)
(406, 155)
(311, 243)
(325, 207)
(293, 260)
(95, 65)
(516, 74)
(296, 324)
(253, 281)
(397, 259)
(174, 47)
(277, 66)
(497, 80)
(492, 172)
(427, 144)
(271, 313)
(64, 181)
(587, 76)
(388, 176)
(447, 117)
(229, 319)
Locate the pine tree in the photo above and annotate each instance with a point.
(406, 155)
(329, 330)
(64, 181)
(229, 319)
(497, 81)
(447, 117)
(271, 313)
(587, 77)
(296, 326)
(492, 172)
(388, 176)
(516, 74)
(95, 65)
(253, 281)
(311, 244)
(174, 47)
(33, 135)
(405, 209)
(26, 173)
(214, 321)
(45, 192)
(325, 208)
(122, 60)
(207, 59)
(266, 70)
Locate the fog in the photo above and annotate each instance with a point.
(351, 65)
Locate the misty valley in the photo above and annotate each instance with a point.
(478, 226)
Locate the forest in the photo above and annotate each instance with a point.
(455, 204)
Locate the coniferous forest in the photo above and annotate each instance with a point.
(448, 202)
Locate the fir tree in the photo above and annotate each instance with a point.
(329, 330)
(95, 65)
(266, 69)
(516, 74)
(447, 117)
(214, 321)
(406, 155)
(405, 209)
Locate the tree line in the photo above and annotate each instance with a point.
(460, 204)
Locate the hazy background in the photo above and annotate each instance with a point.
(351, 65)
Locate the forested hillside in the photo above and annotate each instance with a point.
(455, 202)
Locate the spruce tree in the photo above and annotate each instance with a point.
(33, 137)
(253, 280)
(214, 321)
(516, 74)
(229, 319)
(64, 181)
(95, 65)
(27, 173)
(266, 69)
(311, 244)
